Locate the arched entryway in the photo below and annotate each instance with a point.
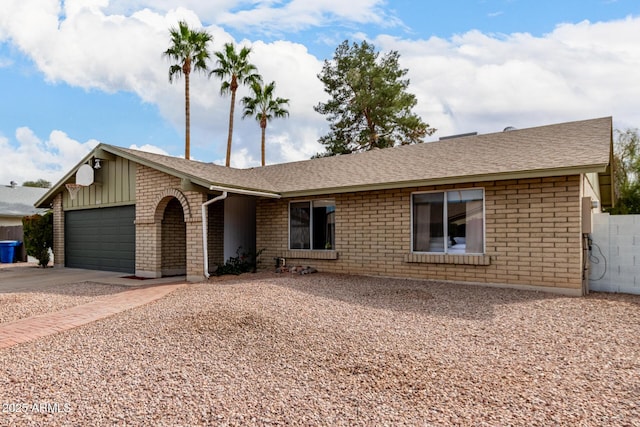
(173, 239)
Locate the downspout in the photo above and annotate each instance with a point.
(205, 230)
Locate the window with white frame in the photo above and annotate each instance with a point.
(449, 222)
(312, 225)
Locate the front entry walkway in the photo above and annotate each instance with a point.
(31, 328)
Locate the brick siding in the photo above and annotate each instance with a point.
(58, 231)
(174, 240)
(168, 227)
(532, 236)
(154, 191)
(215, 248)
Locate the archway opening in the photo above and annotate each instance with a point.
(174, 240)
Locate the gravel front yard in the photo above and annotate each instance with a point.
(337, 350)
(20, 305)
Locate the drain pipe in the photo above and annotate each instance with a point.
(205, 230)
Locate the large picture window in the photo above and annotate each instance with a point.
(448, 222)
(312, 225)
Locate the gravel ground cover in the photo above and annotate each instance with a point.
(20, 305)
(337, 350)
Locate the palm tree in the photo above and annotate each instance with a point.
(264, 107)
(189, 50)
(234, 69)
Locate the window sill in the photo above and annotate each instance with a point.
(310, 254)
(448, 259)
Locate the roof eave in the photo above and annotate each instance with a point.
(21, 215)
(210, 185)
(44, 202)
(157, 166)
(462, 179)
(606, 179)
(244, 191)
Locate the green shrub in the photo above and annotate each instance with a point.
(38, 236)
(245, 262)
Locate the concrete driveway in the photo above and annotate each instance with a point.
(24, 277)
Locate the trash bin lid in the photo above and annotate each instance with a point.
(10, 242)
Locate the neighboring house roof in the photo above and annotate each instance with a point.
(566, 148)
(18, 201)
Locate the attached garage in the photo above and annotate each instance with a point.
(101, 239)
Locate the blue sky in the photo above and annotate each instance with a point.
(79, 72)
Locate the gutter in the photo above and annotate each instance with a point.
(205, 231)
(244, 192)
(461, 179)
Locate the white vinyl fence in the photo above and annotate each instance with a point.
(615, 254)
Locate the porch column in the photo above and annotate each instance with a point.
(58, 231)
(195, 254)
(148, 249)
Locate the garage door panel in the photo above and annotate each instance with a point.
(101, 239)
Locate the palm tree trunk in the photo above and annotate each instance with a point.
(231, 111)
(263, 125)
(187, 115)
(263, 132)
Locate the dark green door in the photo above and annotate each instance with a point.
(101, 239)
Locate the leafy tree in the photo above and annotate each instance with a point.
(38, 236)
(627, 172)
(189, 52)
(41, 183)
(263, 106)
(369, 105)
(234, 69)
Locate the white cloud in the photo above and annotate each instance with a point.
(471, 82)
(298, 15)
(259, 16)
(241, 159)
(149, 148)
(476, 82)
(288, 149)
(206, 10)
(31, 158)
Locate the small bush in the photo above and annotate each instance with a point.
(38, 236)
(245, 262)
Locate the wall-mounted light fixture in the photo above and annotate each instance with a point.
(96, 164)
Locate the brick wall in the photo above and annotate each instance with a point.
(215, 226)
(174, 240)
(58, 231)
(532, 236)
(154, 191)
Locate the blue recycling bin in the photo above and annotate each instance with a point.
(8, 250)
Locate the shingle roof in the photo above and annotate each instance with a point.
(573, 147)
(209, 173)
(539, 150)
(18, 201)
